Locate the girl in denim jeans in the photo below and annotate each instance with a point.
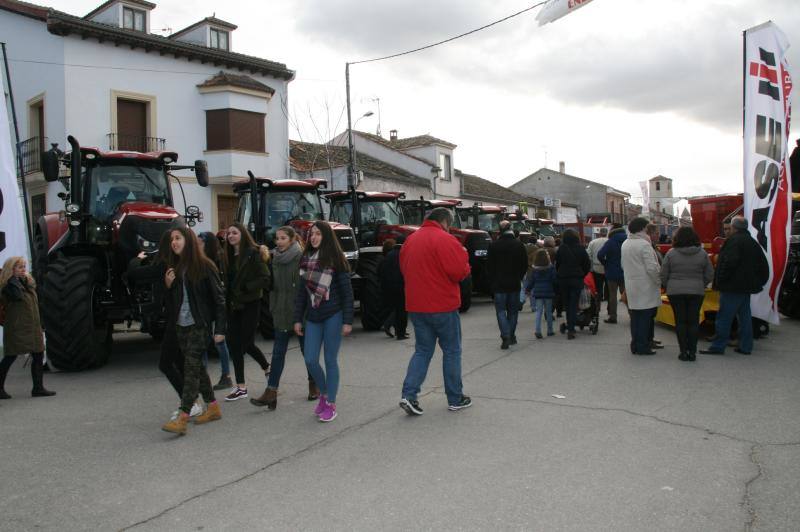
(541, 286)
(325, 302)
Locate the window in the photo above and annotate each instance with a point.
(133, 19)
(446, 172)
(219, 39)
(658, 185)
(38, 206)
(234, 129)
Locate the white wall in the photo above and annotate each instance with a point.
(387, 155)
(110, 15)
(27, 39)
(199, 35)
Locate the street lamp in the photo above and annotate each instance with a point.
(365, 115)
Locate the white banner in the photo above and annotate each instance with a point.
(645, 186)
(13, 239)
(767, 183)
(555, 9)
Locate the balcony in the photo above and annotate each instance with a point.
(120, 142)
(31, 152)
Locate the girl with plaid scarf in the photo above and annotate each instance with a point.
(325, 302)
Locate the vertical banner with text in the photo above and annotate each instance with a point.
(13, 235)
(767, 183)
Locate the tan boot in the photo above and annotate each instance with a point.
(177, 425)
(269, 399)
(213, 413)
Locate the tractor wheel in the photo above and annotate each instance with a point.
(466, 294)
(265, 325)
(373, 311)
(789, 295)
(78, 335)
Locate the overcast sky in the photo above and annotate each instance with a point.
(621, 90)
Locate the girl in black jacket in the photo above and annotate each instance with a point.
(246, 279)
(195, 303)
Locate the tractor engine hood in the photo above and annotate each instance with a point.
(139, 226)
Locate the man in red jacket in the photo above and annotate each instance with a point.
(433, 263)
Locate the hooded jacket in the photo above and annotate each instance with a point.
(433, 263)
(686, 271)
(572, 261)
(610, 255)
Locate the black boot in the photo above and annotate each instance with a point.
(512, 340)
(37, 375)
(4, 367)
(504, 344)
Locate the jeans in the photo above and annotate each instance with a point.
(546, 306)
(600, 285)
(570, 294)
(329, 334)
(733, 305)
(279, 348)
(224, 358)
(613, 288)
(641, 319)
(506, 304)
(687, 320)
(428, 327)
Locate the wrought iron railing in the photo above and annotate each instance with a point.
(121, 142)
(31, 151)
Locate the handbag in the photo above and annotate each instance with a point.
(585, 299)
(623, 298)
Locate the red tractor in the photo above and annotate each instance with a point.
(117, 204)
(267, 204)
(475, 241)
(483, 217)
(376, 218)
(521, 226)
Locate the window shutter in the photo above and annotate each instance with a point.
(234, 129)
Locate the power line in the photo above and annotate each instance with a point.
(426, 47)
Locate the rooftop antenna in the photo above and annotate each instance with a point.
(378, 101)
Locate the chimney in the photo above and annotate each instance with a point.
(393, 135)
(561, 167)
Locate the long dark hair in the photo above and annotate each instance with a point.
(245, 243)
(330, 252)
(192, 263)
(213, 249)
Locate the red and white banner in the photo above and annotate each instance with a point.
(767, 183)
(555, 9)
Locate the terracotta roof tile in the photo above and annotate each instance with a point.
(309, 157)
(245, 82)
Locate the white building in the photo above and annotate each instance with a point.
(108, 81)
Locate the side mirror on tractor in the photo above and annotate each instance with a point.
(50, 164)
(201, 172)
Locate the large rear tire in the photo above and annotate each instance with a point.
(373, 311)
(789, 295)
(466, 294)
(78, 335)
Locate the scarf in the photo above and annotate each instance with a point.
(318, 279)
(286, 257)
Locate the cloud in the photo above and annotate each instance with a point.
(645, 56)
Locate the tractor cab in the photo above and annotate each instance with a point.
(521, 226)
(379, 215)
(484, 217)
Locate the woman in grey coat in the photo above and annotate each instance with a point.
(685, 273)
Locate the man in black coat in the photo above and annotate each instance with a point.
(742, 270)
(507, 263)
(393, 288)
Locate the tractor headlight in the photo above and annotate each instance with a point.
(73, 208)
(481, 252)
(145, 245)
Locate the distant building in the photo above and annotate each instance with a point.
(590, 197)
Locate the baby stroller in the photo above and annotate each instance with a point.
(588, 307)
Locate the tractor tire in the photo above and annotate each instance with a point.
(789, 295)
(373, 311)
(265, 324)
(466, 295)
(78, 335)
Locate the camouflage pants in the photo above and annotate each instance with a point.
(193, 341)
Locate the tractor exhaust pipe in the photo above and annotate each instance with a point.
(75, 172)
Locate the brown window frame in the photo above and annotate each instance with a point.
(219, 33)
(235, 130)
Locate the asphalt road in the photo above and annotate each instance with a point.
(638, 443)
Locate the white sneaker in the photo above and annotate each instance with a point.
(196, 410)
